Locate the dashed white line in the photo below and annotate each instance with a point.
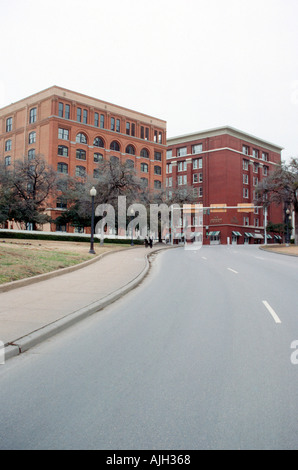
(272, 312)
(204, 257)
(233, 270)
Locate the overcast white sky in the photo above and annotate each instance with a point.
(197, 64)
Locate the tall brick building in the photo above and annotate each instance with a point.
(73, 132)
(224, 166)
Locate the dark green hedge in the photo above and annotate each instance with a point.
(68, 238)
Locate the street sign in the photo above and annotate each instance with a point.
(246, 207)
(218, 208)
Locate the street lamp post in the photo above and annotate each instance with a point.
(287, 222)
(132, 215)
(92, 194)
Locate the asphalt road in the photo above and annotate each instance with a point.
(198, 357)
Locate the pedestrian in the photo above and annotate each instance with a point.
(146, 242)
(150, 242)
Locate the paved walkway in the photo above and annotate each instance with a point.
(34, 312)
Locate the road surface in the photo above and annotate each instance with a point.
(200, 356)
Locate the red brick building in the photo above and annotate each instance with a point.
(224, 166)
(73, 132)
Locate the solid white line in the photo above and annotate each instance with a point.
(204, 257)
(233, 270)
(272, 312)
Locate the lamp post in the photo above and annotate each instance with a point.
(92, 194)
(131, 215)
(287, 222)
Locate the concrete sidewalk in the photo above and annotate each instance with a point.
(33, 313)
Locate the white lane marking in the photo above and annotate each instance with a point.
(258, 257)
(272, 312)
(233, 270)
(204, 257)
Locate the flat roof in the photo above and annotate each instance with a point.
(221, 131)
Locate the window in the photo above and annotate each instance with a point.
(32, 137)
(102, 121)
(245, 193)
(114, 160)
(245, 149)
(80, 171)
(182, 180)
(142, 132)
(144, 153)
(245, 179)
(117, 125)
(197, 163)
(157, 156)
(81, 138)
(146, 133)
(79, 114)
(200, 177)
(61, 203)
(81, 154)
(32, 115)
(31, 154)
(256, 222)
(144, 167)
(98, 142)
(265, 156)
(9, 124)
(255, 181)
(197, 148)
(157, 184)
(115, 146)
(96, 173)
(160, 137)
(85, 116)
(7, 161)
(246, 221)
(67, 111)
(182, 151)
(169, 154)
(169, 182)
(256, 167)
(245, 164)
(145, 182)
(8, 146)
(157, 170)
(133, 129)
(200, 191)
(112, 124)
(63, 134)
(169, 168)
(182, 166)
(195, 178)
(96, 119)
(255, 153)
(62, 150)
(97, 157)
(130, 149)
(265, 170)
(62, 168)
(61, 110)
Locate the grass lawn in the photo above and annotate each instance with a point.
(26, 258)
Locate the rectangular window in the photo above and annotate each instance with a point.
(102, 121)
(265, 156)
(197, 148)
(128, 128)
(245, 179)
(147, 133)
(246, 221)
(255, 153)
(85, 116)
(157, 156)
(265, 170)
(200, 177)
(182, 166)
(8, 146)
(245, 164)
(169, 154)
(142, 132)
(169, 168)
(245, 149)
(181, 152)
(60, 110)
(133, 129)
(200, 191)
(7, 161)
(245, 193)
(117, 125)
(67, 111)
(255, 181)
(96, 119)
(32, 115)
(9, 124)
(160, 138)
(63, 134)
(112, 124)
(195, 178)
(62, 151)
(79, 114)
(155, 136)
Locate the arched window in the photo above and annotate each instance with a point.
(62, 168)
(81, 154)
(130, 163)
(98, 142)
(130, 149)
(115, 146)
(144, 153)
(80, 171)
(63, 150)
(157, 170)
(81, 138)
(32, 137)
(144, 167)
(114, 160)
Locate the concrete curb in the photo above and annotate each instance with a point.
(21, 345)
(277, 252)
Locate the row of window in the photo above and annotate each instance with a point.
(182, 151)
(256, 167)
(182, 179)
(197, 163)
(115, 123)
(255, 153)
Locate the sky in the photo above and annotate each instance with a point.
(197, 64)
